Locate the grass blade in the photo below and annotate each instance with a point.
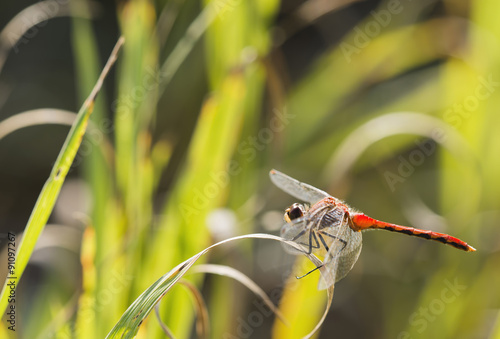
(50, 190)
(129, 323)
(36, 117)
(230, 272)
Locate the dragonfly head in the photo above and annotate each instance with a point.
(294, 212)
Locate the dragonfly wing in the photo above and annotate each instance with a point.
(297, 232)
(296, 188)
(342, 254)
(328, 274)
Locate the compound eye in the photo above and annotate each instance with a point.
(294, 212)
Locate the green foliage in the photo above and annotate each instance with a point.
(402, 124)
(52, 187)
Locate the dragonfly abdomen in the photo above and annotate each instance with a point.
(361, 222)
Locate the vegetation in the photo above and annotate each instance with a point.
(389, 106)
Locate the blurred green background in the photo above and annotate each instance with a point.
(389, 105)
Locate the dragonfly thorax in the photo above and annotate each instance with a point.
(326, 214)
(332, 218)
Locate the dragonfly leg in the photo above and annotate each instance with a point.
(309, 245)
(305, 275)
(334, 237)
(312, 235)
(301, 233)
(323, 242)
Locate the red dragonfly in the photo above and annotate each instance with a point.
(331, 229)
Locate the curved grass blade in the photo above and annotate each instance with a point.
(202, 319)
(387, 125)
(164, 327)
(129, 323)
(291, 305)
(35, 117)
(249, 283)
(50, 190)
(329, 292)
(13, 33)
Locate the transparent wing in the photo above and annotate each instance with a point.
(331, 259)
(297, 232)
(328, 274)
(342, 255)
(296, 188)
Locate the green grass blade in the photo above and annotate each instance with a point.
(131, 320)
(50, 190)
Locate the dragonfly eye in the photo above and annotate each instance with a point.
(294, 212)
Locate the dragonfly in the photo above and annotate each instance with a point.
(328, 227)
